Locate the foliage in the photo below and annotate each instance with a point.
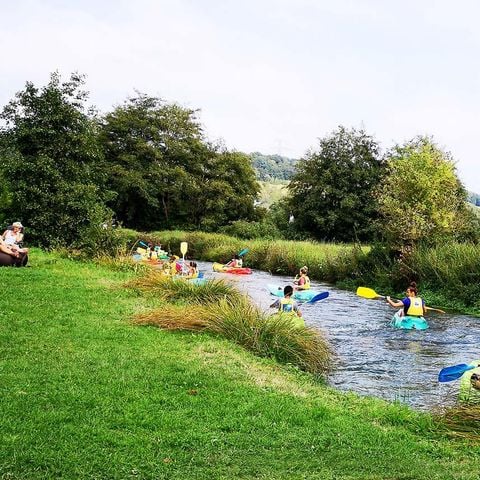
(273, 167)
(421, 198)
(52, 162)
(170, 289)
(473, 198)
(81, 385)
(251, 230)
(5, 199)
(166, 174)
(238, 320)
(272, 192)
(331, 193)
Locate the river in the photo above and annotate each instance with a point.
(373, 358)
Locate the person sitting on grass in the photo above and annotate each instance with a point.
(302, 281)
(12, 255)
(14, 237)
(287, 304)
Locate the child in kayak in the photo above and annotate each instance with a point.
(412, 305)
(302, 281)
(287, 304)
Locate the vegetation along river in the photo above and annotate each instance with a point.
(373, 358)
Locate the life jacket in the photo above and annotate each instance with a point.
(306, 282)
(286, 305)
(416, 307)
(239, 263)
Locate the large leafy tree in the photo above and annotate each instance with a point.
(52, 161)
(166, 174)
(331, 193)
(421, 198)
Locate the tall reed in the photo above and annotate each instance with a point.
(238, 320)
(172, 288)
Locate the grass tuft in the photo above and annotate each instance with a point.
(238, 320)
(174, 289)
(462, 420)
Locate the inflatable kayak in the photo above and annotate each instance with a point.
(408, 323)
(467, 393)
(302, 295)
(218, 267)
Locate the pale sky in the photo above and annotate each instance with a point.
(268, 75)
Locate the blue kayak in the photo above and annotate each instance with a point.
(302, 295)
(408, 323)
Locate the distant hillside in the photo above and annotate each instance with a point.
(273, 167)
(474, 198)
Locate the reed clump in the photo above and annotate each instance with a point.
(238, 320)
(462, 420)
(121, 262)
(170, 288)
(175, 317)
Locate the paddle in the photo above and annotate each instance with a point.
(448, 374)
(369, 293)
(243, 252)
(319, 296)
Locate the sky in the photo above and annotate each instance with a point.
(271, 76)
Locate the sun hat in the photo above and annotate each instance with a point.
(17, 224)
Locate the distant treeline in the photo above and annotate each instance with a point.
(474, 198)
(273, 167)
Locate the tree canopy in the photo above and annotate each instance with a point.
(421, 198)
(52, 161)
(167, 175)
(331, 193)
(273, 167)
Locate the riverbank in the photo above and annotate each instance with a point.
(448, 275)
(88, 394)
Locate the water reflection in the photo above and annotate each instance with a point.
(372, 357)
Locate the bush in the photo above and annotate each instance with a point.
(251, 230)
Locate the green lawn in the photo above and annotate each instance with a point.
(86, 394)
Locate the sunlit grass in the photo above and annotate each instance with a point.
(462, 420)
(170, 288)
(239, 320)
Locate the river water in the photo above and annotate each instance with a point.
(373, 358)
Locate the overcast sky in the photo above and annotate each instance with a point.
(268, 75)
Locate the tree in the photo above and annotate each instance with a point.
(421, 197)
(52, 162)
(331, 193)
(166, 174)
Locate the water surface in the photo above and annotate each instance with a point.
(372, 357)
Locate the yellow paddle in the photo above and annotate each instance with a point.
(369, 293)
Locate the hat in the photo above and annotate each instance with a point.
(17, 224)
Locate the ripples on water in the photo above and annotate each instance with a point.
(372, 357)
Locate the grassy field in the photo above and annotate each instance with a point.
(85, 393)
(272, 192)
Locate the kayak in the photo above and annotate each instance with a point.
(408, 323)
(467, 392)
(218, 267)
(303, 295)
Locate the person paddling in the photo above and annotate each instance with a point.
(303, 281)
(413, 305)
(235, 262)
(287, 304)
